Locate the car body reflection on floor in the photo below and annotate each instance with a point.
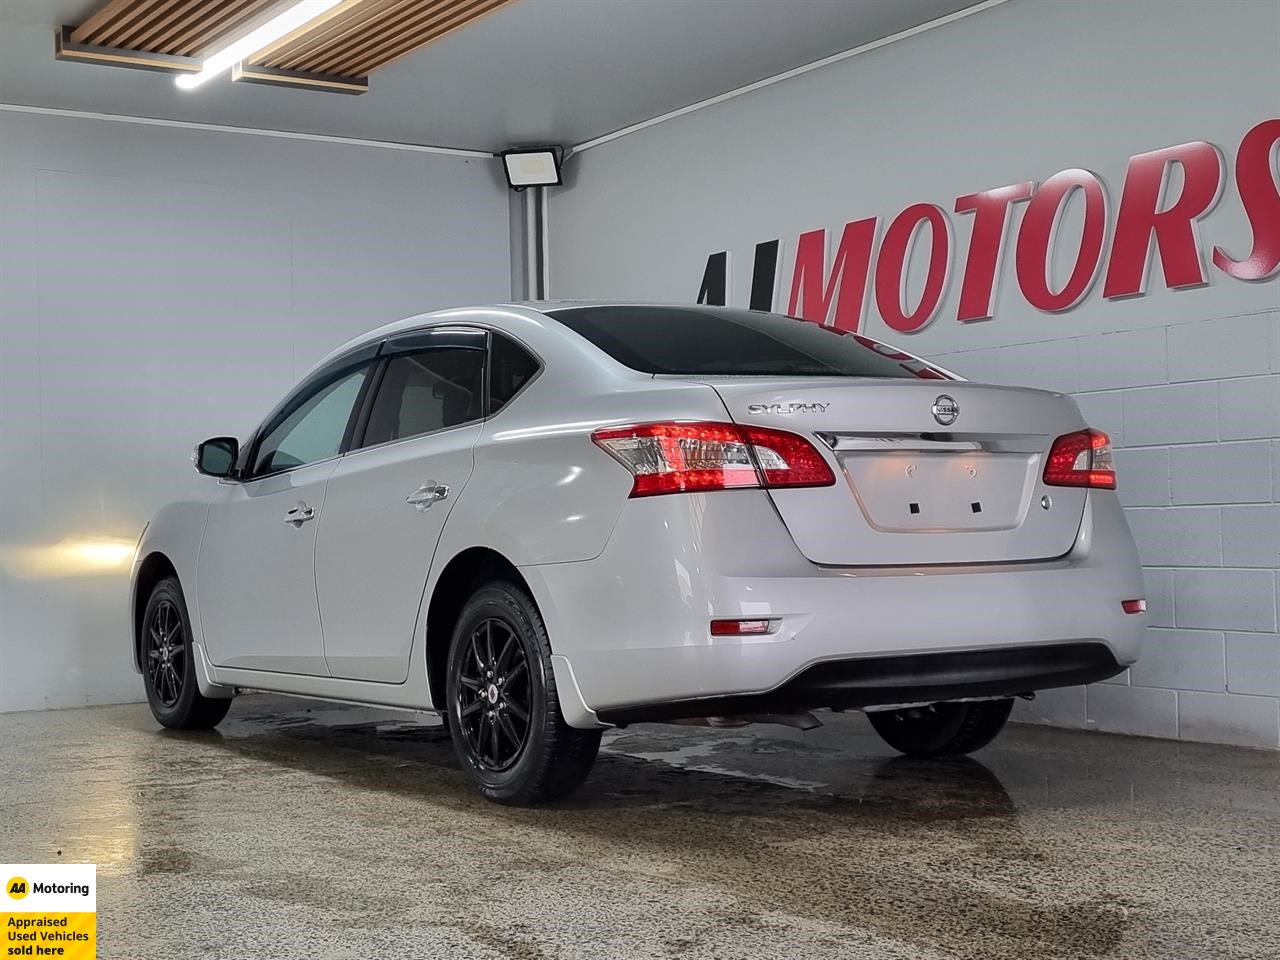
(325, 831)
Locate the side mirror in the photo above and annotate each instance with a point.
(217, 457)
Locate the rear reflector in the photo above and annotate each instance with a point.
(676, 457)
(1081, 459)
(738, 628)
(1134, 606)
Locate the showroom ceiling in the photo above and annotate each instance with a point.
(531, 71)
(164, 27)
(350, 40)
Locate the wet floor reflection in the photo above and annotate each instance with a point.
(1050, 844)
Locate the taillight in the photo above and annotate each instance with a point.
(1081, 459)
(787, 459)
(676, 457)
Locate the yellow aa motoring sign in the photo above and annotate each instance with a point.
(49, 910)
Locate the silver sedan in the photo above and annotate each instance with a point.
(544, 520)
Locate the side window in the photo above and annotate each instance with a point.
(511, 368)
(425, 391)
(313, 431)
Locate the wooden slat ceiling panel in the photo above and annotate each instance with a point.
(351, 40)
(88, 31)
(425, 33)
(181, 27)
(323, 38)
(374, 47)
(369, 32)
(375, 34)
(106, 25)
(147, 29)
(212, 29)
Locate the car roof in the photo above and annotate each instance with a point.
(516, 318)
(491, 314)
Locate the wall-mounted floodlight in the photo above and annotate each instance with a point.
(532, 167)
(277, 27)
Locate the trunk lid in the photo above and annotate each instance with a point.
(927, 471)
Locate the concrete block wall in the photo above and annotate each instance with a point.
(1194, 411)
(1186, 380)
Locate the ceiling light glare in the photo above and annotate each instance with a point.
(280, 26)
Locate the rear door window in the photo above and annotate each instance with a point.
(425, 391)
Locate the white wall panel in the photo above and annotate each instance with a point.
(158, 286)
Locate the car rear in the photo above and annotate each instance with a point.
(860, 528)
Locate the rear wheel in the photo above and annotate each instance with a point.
(942, 729)
(168, 666)
(504, 712)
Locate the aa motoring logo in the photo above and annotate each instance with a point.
(18, 887)
(1165, 195)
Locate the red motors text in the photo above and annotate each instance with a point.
(834, 288)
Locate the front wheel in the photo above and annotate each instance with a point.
(168, 664)
(504, 712)
(942, 729)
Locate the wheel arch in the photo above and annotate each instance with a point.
(457, 582)
(155, 567)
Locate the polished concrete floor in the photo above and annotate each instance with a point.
(308, 831)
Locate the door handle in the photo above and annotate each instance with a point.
(299, 514)
(427, 494)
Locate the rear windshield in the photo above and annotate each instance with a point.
(724, 341)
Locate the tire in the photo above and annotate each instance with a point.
(942, 729)
(168, 668)
(500, 667)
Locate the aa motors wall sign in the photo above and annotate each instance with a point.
(834, 289)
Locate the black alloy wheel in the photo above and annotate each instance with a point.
(495, 695)
(168, 665)
(166, 653)
(503, 706)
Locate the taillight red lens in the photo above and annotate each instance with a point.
(787, 459)
(1081, 459)
(674, 457)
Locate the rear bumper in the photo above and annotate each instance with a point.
(633, 624)
(914, 678)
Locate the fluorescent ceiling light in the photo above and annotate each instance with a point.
(280, 26)
(537, 167)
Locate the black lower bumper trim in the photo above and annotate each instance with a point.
(913, 678)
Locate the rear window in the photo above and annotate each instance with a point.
(723, 341)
